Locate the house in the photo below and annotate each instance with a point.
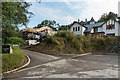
(109, 28)
(29, 35)
(33, 36)
(46, 30)
(92, 21)
(78, 28)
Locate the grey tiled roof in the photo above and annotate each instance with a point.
(87, 22)
(89, 27)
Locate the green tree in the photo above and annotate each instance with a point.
(106, 17)
(52, 24)
(64, 27)
(14, 14)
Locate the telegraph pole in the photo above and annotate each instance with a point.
(119, 10)
(39, 1)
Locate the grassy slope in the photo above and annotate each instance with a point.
(69, 43)
(14, 60)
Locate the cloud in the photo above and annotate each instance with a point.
(95, 8)
(45, 12)
(81, 9)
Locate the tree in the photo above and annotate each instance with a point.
(64, 27)
(52, 24)
(14, 14)
(106, 17)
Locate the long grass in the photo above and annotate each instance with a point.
(13, 60)
(68, 42)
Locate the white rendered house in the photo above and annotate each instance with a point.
(78, 28)
(109, 28)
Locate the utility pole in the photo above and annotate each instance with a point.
(39, 1)
(119, 10)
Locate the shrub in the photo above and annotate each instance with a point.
(79, 43)
(51, 40)
(86, 44)
(16, 40)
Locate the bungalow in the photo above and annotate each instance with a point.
(109, 28)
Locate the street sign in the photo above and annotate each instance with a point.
(5, 48)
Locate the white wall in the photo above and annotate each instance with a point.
(32, 42)
(100, 29)
(92, 22)
(92, 31)
(82, 29)
(109, 31)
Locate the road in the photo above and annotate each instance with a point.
(73, 66)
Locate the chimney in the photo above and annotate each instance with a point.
(78, 20)
(119, 9)
(85, 20)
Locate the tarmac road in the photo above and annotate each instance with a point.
(51, 66)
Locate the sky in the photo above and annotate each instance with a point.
(65, 12)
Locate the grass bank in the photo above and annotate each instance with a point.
(66, 42)
(13, 60)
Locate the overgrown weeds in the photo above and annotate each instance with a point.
(67, 42)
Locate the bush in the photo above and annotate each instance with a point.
(86, 43)
(16, 40)
(77, 45)
(70, 38)
(66, 40)
(98, 43)
(51, 40)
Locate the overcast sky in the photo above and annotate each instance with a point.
(66, 11)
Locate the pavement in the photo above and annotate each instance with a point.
(70, 66)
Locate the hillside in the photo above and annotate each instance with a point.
(69, 43)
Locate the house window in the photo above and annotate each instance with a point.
(110, 25)
(78, 28)
(73, 29)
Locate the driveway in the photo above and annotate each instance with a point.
(73, 66)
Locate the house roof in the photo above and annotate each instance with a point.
(92, 19)
(77, 23)
(89, 27)
(87, 22)
(43, 28)
(84, 23)
(29, 29)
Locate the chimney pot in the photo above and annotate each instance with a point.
(85, 20)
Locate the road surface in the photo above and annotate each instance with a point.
(52, 66)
